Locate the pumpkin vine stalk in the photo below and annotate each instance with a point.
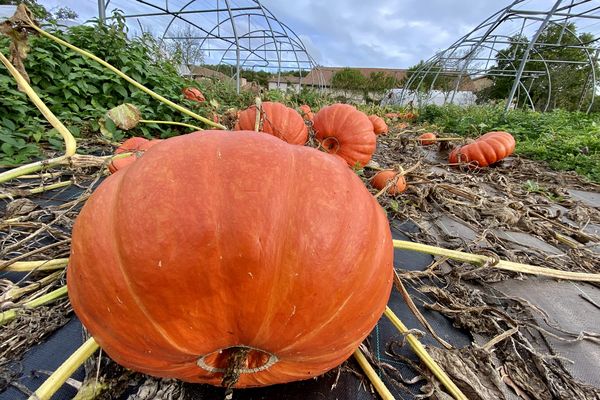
(70, 143)
(31, 24)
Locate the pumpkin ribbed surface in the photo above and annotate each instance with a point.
(488, 149)
(277, 120)
(214, 240)
(379, 125)
(344, 131)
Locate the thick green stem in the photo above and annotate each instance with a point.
(9, 315)
(148, 121)
(70, 144)
(42, 265)
(15, 293)
(126, 77)
(421, 352)
(479, 259)
(378, 384)
(66, 369)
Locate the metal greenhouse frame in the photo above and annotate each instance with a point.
(243, 33)
(474, 55)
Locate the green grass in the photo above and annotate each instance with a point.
(567, 141)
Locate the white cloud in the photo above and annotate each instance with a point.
(390, 33)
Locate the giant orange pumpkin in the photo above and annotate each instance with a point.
(379, 125)
(488, 149)
(193, 252)
(135, 145)
(343, 130)
(276, 119)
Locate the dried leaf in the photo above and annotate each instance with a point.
(126, 116)
(473, 371)
(15, 29)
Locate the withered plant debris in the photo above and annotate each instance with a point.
(488, 211)
(16, 29)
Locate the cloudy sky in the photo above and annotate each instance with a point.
(359, 33)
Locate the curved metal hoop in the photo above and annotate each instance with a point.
(476, 54)
(243, 32)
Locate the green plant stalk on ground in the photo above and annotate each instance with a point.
(70, 144)
(11, 314)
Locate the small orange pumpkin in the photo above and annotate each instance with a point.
(391, 115)
(276, 119)
(409, 116)
(428, 139)
(383, 178)
(379, 125)
(193, 94)
(306, 112)
(135, 145)
(346, 132)
(486, 150)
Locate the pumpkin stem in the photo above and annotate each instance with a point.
(331, 144)
(235, 364)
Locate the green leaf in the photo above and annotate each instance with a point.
(121, 90)
(7, 149)
(9, 124)
(107, 127)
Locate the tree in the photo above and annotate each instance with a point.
(184, 44)
(348, 79)
(64, 13)
(567, 84)
(380, 82)
(430, 76)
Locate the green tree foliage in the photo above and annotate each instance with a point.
(569, 83)
(380, 82)
(348, 79)
(429, 76)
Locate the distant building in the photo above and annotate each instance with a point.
(198, 72)
(320, 77)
